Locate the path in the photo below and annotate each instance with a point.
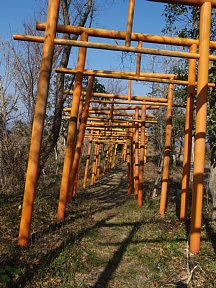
(107, 241)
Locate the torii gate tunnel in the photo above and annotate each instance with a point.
(130, 130)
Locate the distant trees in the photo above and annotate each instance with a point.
(10, 117)
(212, 137)
(20, 63)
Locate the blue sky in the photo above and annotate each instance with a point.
(147, 16)
(147, 19)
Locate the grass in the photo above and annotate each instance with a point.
(106, 240)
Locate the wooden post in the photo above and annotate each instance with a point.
(129, 22)
(115, 154)
(122, 152)
(80, 138)
(76, 184)
(201, 112)
(88, 160)
(138, 60)
(133, 154)
(132, 163)
(188, 135)
(99, 160)
(129, 167)
(129, 90)
(94, 163)
(38, 122)
(110, 156)
(105, 158)
(136, 174)
(142, 153)
(71, 192)
(145, 149)
(72, 130)
(165, 174)
(125, 152)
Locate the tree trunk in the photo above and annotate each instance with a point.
(212, 187)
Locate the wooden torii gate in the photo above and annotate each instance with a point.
(203, 57)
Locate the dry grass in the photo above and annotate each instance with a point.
(105, 241)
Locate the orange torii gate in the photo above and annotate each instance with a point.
(202, 85)
(65, 182)
(201, 113)
(99, 125)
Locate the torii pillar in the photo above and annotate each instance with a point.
(38, 122)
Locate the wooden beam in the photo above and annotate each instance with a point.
(114, 34)
(112, 47)
(109, 74)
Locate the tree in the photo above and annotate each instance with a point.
(11, 147)
(83, 11)
(183, 21)
(212, 138)
(22, 77)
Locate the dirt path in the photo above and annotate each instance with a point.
(107, 241)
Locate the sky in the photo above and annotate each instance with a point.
(147, 19)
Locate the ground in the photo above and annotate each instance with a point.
(106, 240)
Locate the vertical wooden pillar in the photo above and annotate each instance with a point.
(165, 173)
(72, 130)
(115, 154)
(99, 160)
(201, 113)
(94, 163)
(104, 151)
(129, 89)
(124, 152)
(76, 184)
(72, 191)
(80, 138)
(105, 159)
(87, 160)
(138, 60)
(38, 122)
(110, 156)
(145, 149)
(129, 22)
(136, 171)
(133, 153)
(188, 135)
(142, 152)
(132, 162)
(129, 167)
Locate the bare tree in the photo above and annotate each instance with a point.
(26, 62)
(9, 114)
(84, 10)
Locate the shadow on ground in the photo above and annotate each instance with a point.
(104, 196)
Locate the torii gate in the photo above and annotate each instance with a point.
(202, 87)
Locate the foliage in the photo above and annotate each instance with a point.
(212, 117)
(176, 15)
(183, 21)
